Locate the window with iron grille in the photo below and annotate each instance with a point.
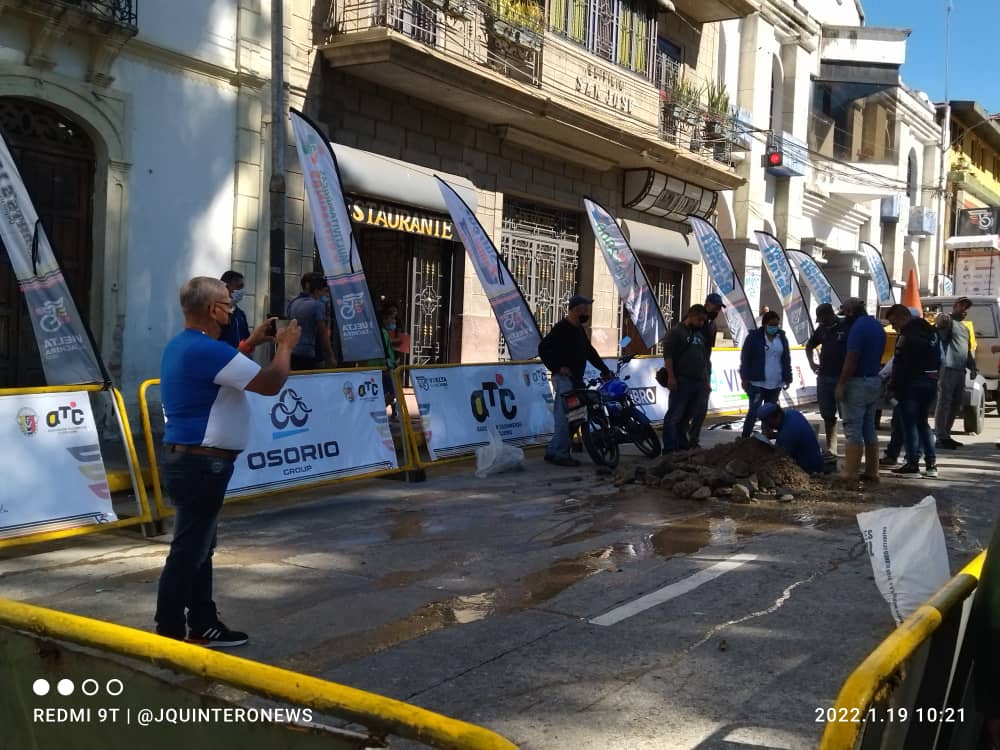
(614, 30)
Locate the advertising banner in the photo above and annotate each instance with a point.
(53, 475)
(979, 221)
(797, 318)
(322, 426)
(880, 277)
(63, 341)
(727, 390)
(360, 330)
(459, 404)
(630, 279)
(751, 278)
(517, 324)
(739, 315)
(947, 284)
(816, 280)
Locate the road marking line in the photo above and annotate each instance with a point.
(671, 591)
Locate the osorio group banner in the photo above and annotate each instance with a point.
(322, 426)
(816, 280)
(63, 342)
(53, 471)
(360, 330)
(739, 316)
(517, 324)
(797, 318)
(459, 404)
(630, 279)
(727, 389)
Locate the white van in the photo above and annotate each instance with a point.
(985, 317)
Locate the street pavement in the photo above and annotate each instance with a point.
(517, 602)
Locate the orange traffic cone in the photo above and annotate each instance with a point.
(911, 292)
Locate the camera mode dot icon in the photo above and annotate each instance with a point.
(40, 686)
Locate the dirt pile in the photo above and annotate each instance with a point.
(739, 471)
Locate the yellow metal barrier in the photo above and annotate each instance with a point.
(145, 514)
(164, 511)
(392, 716)
(878, 672)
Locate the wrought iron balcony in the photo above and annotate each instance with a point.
(693, 127)
(121, 12)
(500, 34)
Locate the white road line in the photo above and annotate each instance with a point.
(672, 591)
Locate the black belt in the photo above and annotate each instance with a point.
(202, 450)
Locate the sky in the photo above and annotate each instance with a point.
(974, 41)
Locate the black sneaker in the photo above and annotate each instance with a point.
(886, 461)
(217, 636)
(907, 469)
(562, 461)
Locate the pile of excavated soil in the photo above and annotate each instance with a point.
(740, 459)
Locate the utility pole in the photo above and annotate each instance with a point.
(277, 182)
(945, 148)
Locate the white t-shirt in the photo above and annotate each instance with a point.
(773, 349)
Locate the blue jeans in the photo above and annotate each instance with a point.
(682, 406)
(861, 397)
(559, 446)
(197, 486)
(757, 396)
(916, 409)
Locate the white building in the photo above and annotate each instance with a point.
(860, 150)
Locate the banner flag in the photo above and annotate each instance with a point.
(511, 309)
(876, 267)
(633, 286)
(64, 342)
(360, 330)
(739, 316)
(786, 285)
(816, 280)
(947, 285)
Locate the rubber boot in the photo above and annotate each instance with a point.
(848, 477)
(871, 464)
(831, 436)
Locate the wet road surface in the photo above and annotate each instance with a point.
(483, 599)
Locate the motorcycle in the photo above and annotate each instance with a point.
(608, 416)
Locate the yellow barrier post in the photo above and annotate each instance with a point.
(395, 717)
(145, 515)
(876, 673)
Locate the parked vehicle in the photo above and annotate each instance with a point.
(608, 416)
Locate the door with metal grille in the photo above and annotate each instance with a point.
(542, 249)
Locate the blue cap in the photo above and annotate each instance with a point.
(715, 299)
(578, 299)
(767, 410)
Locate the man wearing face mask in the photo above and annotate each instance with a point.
(958, 347)
(314, 350)
(709, 333)
(565, 351)
(237, 329)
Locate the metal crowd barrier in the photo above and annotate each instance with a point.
(34, 645)
(163, 510)
(138, 487)
(914, 689)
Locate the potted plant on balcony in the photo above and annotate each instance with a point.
(718, 111)
(516, 21)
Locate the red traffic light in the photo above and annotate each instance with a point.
(773, 159)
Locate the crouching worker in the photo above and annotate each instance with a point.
(793, 434)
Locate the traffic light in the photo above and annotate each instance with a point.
(773, 158)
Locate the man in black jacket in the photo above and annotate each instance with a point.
(565, 352)
(914, 383)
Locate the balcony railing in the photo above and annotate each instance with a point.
(491, 34)
(826, 139)
(120, 12)
(702, 131)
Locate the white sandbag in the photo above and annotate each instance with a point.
(908, 554)
(496, 456)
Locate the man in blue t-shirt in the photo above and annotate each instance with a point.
(793, 434)
(859, 391)
(203, 383)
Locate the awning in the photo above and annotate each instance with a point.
(973, 242)
(659, 242)
(660, 194)
(367, 174)
(881, 75)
